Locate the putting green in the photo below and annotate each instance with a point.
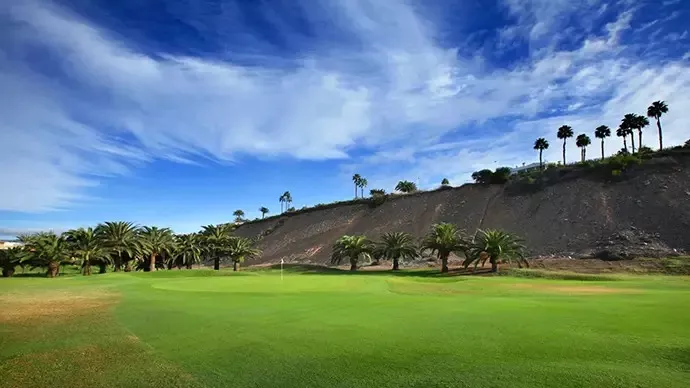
(200, 328)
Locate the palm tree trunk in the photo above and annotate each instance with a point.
(118, 262)
(216, 263)
(353, 265)
(152, 263)
(632, 140)
(494, 264)
(661, 136)
(236, 266)
(444, 264)
(53, 269)
(86, 268)
(564, 152)
(541, 165)
(355, 191)
(396, 265)
(602, 149)
(625, 143)
(639, 133)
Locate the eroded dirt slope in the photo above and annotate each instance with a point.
(572, 217)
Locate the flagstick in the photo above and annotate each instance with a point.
(281, 270)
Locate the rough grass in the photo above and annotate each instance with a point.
(334, 329)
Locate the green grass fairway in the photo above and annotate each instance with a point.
(204, 329)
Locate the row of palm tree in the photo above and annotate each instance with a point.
(631, 122)
(125, 244)
(442, 240)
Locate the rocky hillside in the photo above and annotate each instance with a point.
(647, 213)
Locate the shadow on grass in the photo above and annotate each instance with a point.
(313, 269)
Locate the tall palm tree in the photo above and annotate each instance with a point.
(444, 239)
(239, 249)
(352, 248)
(655, 111)
(282, 200)
(356, 179)
(288, 200)
(633, 121)
(264, 210)
(216, 238)
(602, 132)
(10, 258)
(187, 249)
(496, 245)
(239, 215)
(398, 247)
(582, 141)
(622, 132)
(47, 250)
(406, 187)
(119, 237)
(362, 184)
(628, 124)
(156, 242)
(564, 132)
(87, 247)
(541, 144)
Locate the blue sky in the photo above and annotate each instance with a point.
(177, 113)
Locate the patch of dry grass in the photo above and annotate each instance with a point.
(58, 305)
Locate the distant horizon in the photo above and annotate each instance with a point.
(178, 113)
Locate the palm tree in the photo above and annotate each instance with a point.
(622, 132)
(362, 184)
(406, 187)
(288, 200)
(444, 239)
(264, 210)
(216, 238)
(582, 142)
(156, 242)
(602, 132)
(87, 247)
(239, 249)
(397, 246)
(445, 182)
(187, 250)
(119, 237)
(10, 258)
(282, 200)
(239, 215)
(564, 132)
(47, 250)
(352, 248)
(628, 124)
(495, 245)
(356, 179)
(633, 121)
(541, 144)
(656, 110)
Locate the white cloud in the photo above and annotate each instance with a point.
(396, 92)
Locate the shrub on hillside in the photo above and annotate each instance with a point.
(501, 175)
(687, 144)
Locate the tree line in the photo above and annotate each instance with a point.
(442, 240)
(126, 246)
(630, 123)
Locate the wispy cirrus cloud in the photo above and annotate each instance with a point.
(373, 79)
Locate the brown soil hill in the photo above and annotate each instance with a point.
(573, 217)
